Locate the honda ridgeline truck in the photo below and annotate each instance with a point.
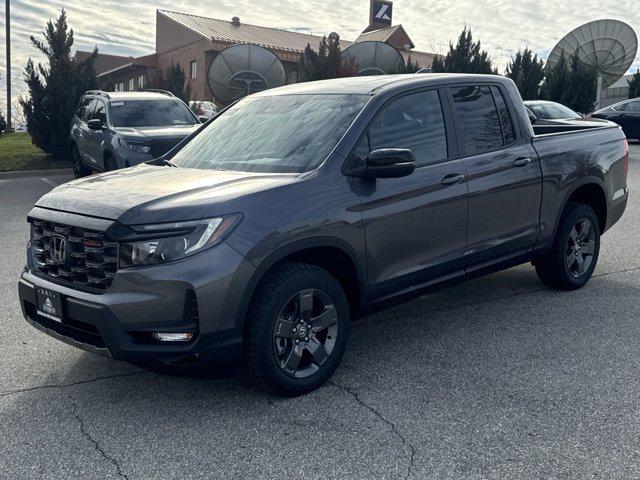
(257, 240)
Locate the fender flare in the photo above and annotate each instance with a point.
(292, 248)
(581, 183)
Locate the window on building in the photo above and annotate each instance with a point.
(479, 120)
(120, 87)
(193, 69)
(415, 122)
(140, 82)
(132, 84)
(505, 117)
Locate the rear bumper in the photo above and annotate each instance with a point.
(617, 207)
(94, 327)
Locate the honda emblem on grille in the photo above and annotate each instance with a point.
(58, 247)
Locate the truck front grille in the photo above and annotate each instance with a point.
(160, 147)
(88, 258)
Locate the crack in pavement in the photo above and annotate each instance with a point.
(392, 426)
(63, 385)
(615, 272)
(96, 445)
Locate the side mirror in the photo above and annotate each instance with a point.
(94, 124)
(203, 119)
(387, 163)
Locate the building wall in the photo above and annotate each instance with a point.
(170, 34)
(184, 55)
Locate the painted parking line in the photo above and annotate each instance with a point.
(49, 182)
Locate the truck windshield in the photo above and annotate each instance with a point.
(552, 111)
(273, 134)
(150, 113)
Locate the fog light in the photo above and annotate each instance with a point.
(173, 337)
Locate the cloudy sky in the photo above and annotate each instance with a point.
(504, 26)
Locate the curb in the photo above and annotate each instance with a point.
(36, 173)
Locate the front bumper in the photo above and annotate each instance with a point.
(119, 323)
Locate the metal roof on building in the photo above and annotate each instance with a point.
(227, 31)
(391, 35)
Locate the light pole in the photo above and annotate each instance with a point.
(8, 35)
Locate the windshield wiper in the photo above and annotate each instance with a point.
(163, 161)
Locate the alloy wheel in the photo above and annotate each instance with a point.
(581, 246)
(305, 332)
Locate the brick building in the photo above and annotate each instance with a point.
(195, 41)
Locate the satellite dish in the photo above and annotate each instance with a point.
(374, 58)
(243, 69)
(610, 46)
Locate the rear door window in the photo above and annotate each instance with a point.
(480, 126)
(506, 122)
(414, 121)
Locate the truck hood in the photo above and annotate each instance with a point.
(155, 194)
(157, 133)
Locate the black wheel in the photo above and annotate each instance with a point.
(79, 168)
(573, 257)
(297, 329)
(110, 164)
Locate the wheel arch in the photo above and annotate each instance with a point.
(591, 192)
(334, 255)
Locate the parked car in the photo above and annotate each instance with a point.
(203, 108)
(258, 240)
(21, 128)
(553, 117)
(121, 129)
(547, 112)
(626, 114)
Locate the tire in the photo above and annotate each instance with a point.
(79, 168)
(110, 163)
(574, 254)
(274, 326)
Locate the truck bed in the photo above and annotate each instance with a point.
(565, 126)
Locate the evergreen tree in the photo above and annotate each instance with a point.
(466, 56)
(309, 67)
(527, 72)
(634, 85)
(582, 91)
(3, 123)
(326, 62)
(571, 83)
(410, 66)
(555, 83)
(55, 88)
(174, 80)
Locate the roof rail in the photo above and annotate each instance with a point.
(97, 92)
(158, 90)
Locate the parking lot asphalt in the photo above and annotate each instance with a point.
(497, 378)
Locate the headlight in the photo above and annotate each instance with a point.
(172, 241)
(136, 147)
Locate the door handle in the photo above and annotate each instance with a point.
(453, 179)
(522, 162)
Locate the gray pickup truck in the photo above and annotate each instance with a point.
(259, 238)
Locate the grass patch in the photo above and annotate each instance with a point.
(18, 153)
